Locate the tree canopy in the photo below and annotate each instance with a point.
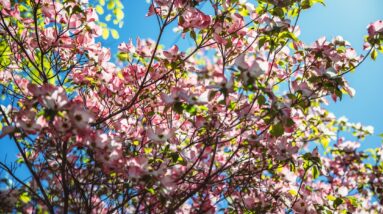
(235, 123)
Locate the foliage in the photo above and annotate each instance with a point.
(235, 123)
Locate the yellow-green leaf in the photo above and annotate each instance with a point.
(119, 13)
(319, 1)
(25, 198)
(120, 75)
(151, 190)
(374, 54)
(148, 150)
(293, 192)
(108, 17)
(331, 198)
(105, 33)
(111, 5)
(119, 4)
(99, 9)
(115, 34)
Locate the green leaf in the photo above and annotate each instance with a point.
(374, 54)
(102, 2)
(191, 109)
(232, 105)
(77, 9)
(353, 201)
(177, 107)
(315, 172)
(306, 4)
(193, 35)
(261, 100)
(174, 156)
(20, 160)
(262, 41)
(337, 202)
(277, 130)
(151, 191)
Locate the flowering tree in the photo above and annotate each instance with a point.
(236, 123)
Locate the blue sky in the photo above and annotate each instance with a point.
(348, 18)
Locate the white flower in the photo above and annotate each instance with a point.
(56, 100)
(343, 191)
(349, 146)
(258, 68)
(160, 135)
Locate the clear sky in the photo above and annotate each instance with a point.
(348, 18)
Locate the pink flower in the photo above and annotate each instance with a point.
(163, 2)
(168, 100)
(172, 53)
(236, 25)
(94, 29)
(194, 18)
(167, 3)
(62, 123)
(91, 15)
(137, 167)
(219, 39)
(303, 206)
(80, 117)
(177, 94)
(200, 122)
(375, 28)
(127, 48)
(38, 91)
(50, 36)
(250, 201)
(284, 149)
(257, 68)
(26, 120)
(6, 4)
(8, 199)
(240, 62)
